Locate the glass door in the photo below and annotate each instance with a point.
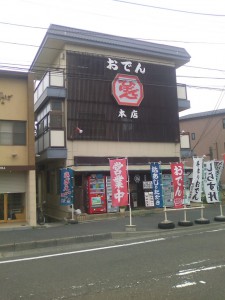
(11, 207)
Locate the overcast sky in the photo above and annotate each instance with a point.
(196, 25)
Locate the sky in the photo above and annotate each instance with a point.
(197, 26)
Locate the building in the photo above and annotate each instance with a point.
(206, 132)
(17, 159)
(98, 97)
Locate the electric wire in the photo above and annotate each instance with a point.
(171, 9)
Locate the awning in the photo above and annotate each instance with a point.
(107, 169)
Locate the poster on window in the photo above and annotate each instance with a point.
(177, 171)
(66, 186)
(210, 183)
(118, 174)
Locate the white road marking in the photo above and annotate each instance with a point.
(194, 262)
(191, 271)
(80, 251)
(178, 286)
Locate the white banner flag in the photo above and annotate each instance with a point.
(196, 186)
(210, 184)
(219, 164)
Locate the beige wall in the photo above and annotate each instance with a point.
(120, 149)
(18, 108)
(209, 132)
(60, 61)
(31, 198)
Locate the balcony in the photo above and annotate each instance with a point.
(183, 103)
(50, 137)
(51, 145)
(51, 85)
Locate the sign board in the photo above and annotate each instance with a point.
(149, 199)
(127, 90)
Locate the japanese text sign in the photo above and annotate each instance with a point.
(219, 165)
(196, 186)
(118, 173)
(66, 186)
(127, 90)
(157, 184)
(113, 64)
(210, 183)
(177, 171)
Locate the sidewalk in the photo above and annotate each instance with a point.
(23, 237)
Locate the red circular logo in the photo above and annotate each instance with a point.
(127, 90)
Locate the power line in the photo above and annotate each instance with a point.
(86, 32)
(171, 9)
(22, 25)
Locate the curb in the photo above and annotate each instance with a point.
(54, 242)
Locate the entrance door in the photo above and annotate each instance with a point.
(3, 207)
(11, 207)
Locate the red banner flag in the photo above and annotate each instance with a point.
(118, 173)
(224, 158)
(177, 170)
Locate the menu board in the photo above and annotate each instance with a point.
(149, 199)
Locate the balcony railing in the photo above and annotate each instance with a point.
(50, 139)
(183, 102)
(181, 91)
(51, 79)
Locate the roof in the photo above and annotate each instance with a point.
(13, 74)
(57, 36)
(205, 114)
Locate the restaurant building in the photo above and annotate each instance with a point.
(101, 96)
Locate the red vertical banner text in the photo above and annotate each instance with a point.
(177, 171)
(118, 174)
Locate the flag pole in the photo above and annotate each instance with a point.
(130, 227)
(129, 198)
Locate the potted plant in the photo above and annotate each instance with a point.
(122, 209)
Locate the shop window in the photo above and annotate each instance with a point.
(12, 132)
(15, 204)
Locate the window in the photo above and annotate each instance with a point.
(223, 123)
(193, 136)
(56, 120)
(56, 105)
(51, 117)
(12, 132)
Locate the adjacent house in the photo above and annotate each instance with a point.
(206, 133)
(101, 96)
(17, 159)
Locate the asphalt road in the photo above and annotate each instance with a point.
(182, 264)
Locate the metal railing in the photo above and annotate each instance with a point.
(51, 78)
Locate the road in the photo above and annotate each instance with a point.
(183, 264)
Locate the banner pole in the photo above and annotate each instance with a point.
(128, 185)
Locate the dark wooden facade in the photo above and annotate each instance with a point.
(92, 107)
